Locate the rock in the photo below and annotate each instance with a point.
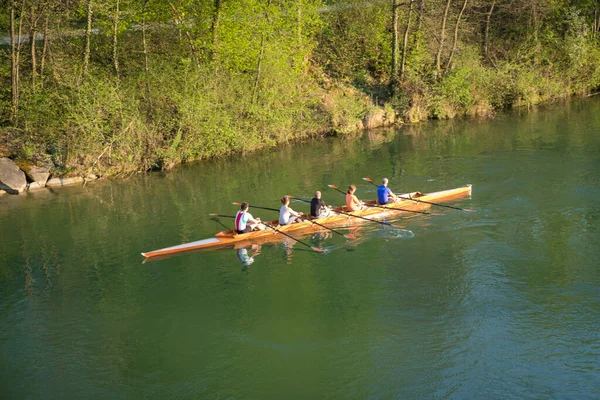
(54, 182)
(38, 175)
(12, 179)
(64, 181)
(35, 186)
(2, 192)
(72, 181)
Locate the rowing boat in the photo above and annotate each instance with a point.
(231, 238)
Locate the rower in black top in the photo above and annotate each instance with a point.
(318, 208)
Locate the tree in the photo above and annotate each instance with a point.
(88, 38)
(454, 43)
(405, 43)
(438, 62)
(395, 44)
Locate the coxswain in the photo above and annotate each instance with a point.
(245, 222)
(384, 194)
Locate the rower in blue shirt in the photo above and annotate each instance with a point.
(384, 194)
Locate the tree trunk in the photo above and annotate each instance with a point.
(115, 39)
(405, 44)
(454, 44)
(14, 89)
(179, 21)
(258, 67)
(32, 38)
(438, 63)
(534, 16)
(596, 20)
(44, 49)
(395, 45)
(17, 60)
(88, 38)
(215, 30)
(144, 44)
(487, 29)
(261, 56)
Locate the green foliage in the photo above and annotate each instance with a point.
(271, 72)
(345, 110)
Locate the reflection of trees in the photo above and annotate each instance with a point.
(73, 257)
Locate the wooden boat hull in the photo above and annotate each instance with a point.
(230, 238)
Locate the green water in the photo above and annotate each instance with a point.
(503, 303)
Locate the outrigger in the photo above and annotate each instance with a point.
(415, 201)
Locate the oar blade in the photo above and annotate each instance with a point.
(332, 186)
(318, 249)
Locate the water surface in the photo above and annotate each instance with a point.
(501, 303)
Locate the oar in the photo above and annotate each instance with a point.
(336, 188)
(218, 221)
(423, 201)
(387, 208)
(369, 219)
(237, 203)
(402, 209)
(318, 249)
(349, 236)
(324, 226)
(220, 215)
(358, 216)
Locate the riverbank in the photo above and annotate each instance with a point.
(40, 169)
(175, 83)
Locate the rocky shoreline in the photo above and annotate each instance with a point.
(15, 179)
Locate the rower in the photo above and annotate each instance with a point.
(286, 214)
(245, 222)
(384, 194)
(318, 209)
(352, 202)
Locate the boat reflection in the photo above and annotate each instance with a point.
(245, 255)
(246, 251)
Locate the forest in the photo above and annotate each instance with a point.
(111, 87)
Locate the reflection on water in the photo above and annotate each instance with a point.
(502, 302)
(246, 255)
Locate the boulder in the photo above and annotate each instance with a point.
(72, 181)
(12, 179)
(35, 186)
(64, 181)
(54, 182)
(38, 175)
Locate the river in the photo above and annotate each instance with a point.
(501, 303)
